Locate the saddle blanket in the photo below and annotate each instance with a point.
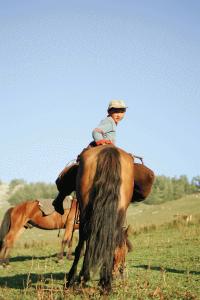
(47, 208)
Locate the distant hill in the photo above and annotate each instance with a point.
(141, 214)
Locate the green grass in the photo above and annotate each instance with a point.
(164, 264)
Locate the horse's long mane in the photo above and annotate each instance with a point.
(101, 212)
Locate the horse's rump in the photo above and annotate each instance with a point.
(101, 204)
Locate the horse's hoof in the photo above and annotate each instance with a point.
(105, 291)
(105, 287)
(69, 284)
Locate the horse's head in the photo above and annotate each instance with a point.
(121, 252)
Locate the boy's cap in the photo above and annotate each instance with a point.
(116, 104)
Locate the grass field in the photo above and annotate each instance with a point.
(164, 264)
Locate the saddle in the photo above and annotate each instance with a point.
(47, 207)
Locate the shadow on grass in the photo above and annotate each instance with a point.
(30, 257)
(20, 281)
(170, 270)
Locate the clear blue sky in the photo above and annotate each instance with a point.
(61, 62)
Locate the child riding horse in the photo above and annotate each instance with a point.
(104, 134)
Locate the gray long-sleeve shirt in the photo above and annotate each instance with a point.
(106, 130)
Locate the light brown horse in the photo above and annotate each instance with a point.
(104, 190)
(27, 214)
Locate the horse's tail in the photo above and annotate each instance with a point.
(5, 226)
(101, 213)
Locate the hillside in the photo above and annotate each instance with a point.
(141, 214)
(138, 214)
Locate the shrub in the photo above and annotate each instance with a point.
(14, 183)
(33, 191)
(166, 189)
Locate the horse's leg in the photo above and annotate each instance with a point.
(85, 271)
(70, 244)
(69, 251)
(65, 242)
(8, 243)
(106, 277)
(69, 228)
(17, 221)
(4, 259)
(73, 270)
(60, 255)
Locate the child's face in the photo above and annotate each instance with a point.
(117, 116)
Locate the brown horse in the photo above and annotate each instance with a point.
(27, 214)
(104, 190)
